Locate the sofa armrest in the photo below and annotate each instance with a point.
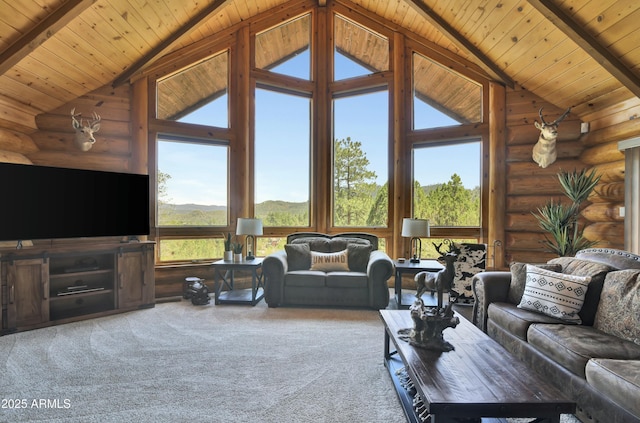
(379, 269)
(488, 287)
(274, 267)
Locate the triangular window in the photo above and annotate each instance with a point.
(197, 94)
(284, 49)
(358, 51)
(442, 97)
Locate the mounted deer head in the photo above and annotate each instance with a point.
(544, 152)
(84, 138)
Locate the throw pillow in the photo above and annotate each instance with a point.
(597, 272)
(298, 256)
(619, 309)
(358, 257)
(519, 278)
(554, 294)
(328, 262)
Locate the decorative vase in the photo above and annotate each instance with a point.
(237, 257)
(228, 255)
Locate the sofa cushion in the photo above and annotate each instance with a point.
(597, 271)
(514, 320)
(519, 278)
(554, 294)
(341, 243)
(572, 346)
(619, 309)
(329, 245)
(328, 262)
(347, 280)
(298, 256)
(617, 259)
(315, 243)
(618, 380)
(307, 278)
(358, 255)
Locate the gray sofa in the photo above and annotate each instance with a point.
(594, 354)
(318, 269)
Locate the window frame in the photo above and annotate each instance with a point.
(243, 80)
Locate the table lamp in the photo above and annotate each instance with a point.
(250, 228)
(415, 229)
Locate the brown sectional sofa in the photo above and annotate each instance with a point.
(291, 279)
(595, 361)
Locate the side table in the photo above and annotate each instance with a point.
(408, 267)
(223, 273)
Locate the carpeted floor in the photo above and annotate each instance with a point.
(183, 363)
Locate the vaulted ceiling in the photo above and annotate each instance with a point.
(579, 53)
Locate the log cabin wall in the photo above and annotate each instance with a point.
(530, 187)
(114, 149)
(606, 128)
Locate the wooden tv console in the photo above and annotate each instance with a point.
(43, 286)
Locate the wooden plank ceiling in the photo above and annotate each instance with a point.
(579, 53)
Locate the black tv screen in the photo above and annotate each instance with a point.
(39, 202)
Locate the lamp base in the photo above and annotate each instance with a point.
(414, 260)
(250, 257)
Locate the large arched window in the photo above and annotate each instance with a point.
(298, 121)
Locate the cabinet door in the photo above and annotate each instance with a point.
(27, 292)
(135, 278)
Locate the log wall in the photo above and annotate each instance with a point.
(530, 187)
(114, 147)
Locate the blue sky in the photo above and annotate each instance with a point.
(282, 127)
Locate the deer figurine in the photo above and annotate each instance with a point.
(429, 322)
(440, 281)
(544, 152)
(84, 138)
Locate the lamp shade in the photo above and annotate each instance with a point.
(415, 228)
(247, 226)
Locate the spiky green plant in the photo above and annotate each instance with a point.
(565, 237)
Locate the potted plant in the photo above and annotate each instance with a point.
(565, 238)
(228, 250)
(237, 251)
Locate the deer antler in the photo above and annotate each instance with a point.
(75, 122)
(544, 122)
(555, 122)
(96, 119)
(564, 115)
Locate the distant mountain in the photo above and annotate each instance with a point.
(265, 207)
(277, 206)
(185, 208)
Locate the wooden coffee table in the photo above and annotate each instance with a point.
(479, 379)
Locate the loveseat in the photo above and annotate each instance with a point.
(586, 343)
(317, 269)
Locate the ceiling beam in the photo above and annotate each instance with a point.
(589, 44)
(462, 42)
(160, 48)
(40, 33)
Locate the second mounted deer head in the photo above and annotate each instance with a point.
(84, 138)
(544, 152)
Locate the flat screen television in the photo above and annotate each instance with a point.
(40, 202)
